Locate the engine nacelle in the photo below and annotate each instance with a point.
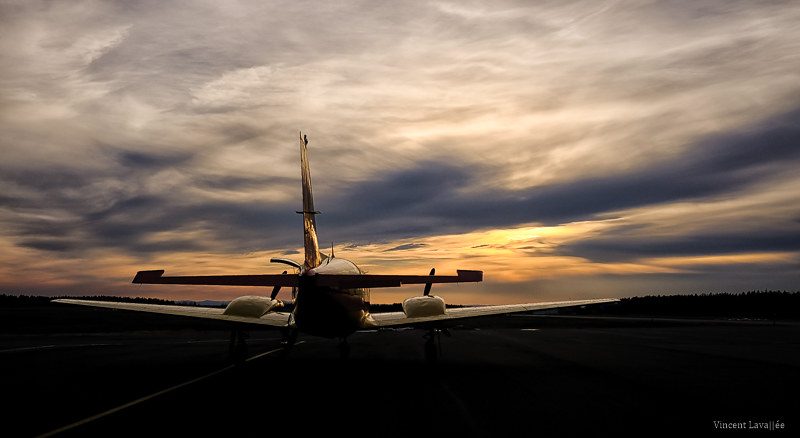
(252, 306)
(429, 305)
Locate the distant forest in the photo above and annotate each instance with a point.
(754, 304)
(36, 300)
(765, 304)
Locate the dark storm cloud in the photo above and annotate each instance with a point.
(46, 181)
(129, 225)
(407, 246)
(238, 182)
(48, 244)
(128, 221)
(431, 196)
(77, 191)
(148, 161)
(234, 226)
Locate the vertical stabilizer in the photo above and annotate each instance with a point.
(313, 257)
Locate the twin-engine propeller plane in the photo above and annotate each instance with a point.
(331, 294)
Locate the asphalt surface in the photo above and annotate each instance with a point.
(534, 376)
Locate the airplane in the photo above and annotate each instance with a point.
(331, 294)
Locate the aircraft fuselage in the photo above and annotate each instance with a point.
(328, 311)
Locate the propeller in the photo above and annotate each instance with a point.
(427, 290)
(276, 289)
(291, 263)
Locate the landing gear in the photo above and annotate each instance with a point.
(433, 344)
(431, 349)
(344, 349)
(237, 347)
(289, 339)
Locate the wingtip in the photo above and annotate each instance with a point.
(148, 276)
(465, 275)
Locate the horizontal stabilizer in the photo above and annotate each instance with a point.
(369, 281)
(157, 277)
(337, 281)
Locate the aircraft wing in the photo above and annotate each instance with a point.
(399, 319)
(274, 319)
(369, 281)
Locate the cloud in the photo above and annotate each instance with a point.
(406, 246)
(615, 247)
(137, 160)
(434, 194)
(157, 131)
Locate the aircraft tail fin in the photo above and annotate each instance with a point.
(310, 242)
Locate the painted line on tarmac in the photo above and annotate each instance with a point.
(38, 347)
(153, 395)
(219, 341)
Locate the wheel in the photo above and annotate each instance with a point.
(241, 352)
(431, 352)
(288, 341)
(344, 349)
(237, 348)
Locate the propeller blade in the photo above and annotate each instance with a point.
(428, 285)
(286, 262)
(276, 289)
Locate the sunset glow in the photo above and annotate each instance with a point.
(568, 150)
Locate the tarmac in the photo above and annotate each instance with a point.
(505, 376)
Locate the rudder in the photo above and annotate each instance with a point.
(310, 242)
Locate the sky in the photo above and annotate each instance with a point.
(567, 149)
